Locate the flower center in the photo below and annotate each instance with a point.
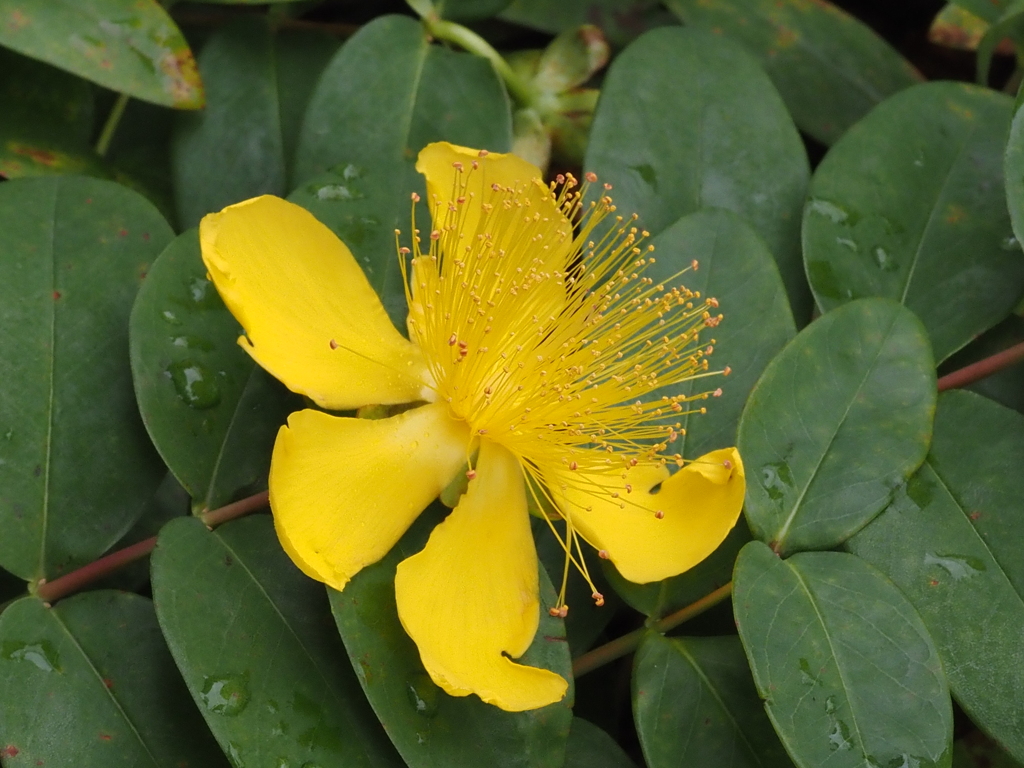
(543, 331)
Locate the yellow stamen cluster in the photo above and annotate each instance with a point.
(543, 332)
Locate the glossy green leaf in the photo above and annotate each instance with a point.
(838, 422)
(695, 704)
(830, 68)
(430, 728)
(952, 544)
(24, 154)
(735, 267)
(132, 48)
(252, 637)
(76, 467)
(590, 747)
(659, 599)
(847, 671)
(300, 56)
(90, 683)
(211, 411)
(386, 95)
(899, 202)
(233, 149)
(688, 120)
(622, 21)
(241, 145)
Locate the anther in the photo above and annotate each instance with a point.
(598, 599)
(727, 371)
(591, 177)
(483, 153)
(334, 344)
(435, 235)
(452, 339)
(559, 613)
(471, 474)
(727, 464)
(415, 197)
(659, 514)
(717, 392)
(403, 250)
(457, 166)
(573, 465)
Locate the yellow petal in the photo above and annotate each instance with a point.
(295, 288)
(471, 595)
(700, 505)
(343, 491)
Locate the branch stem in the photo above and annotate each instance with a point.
(470, 41)
(983, 368)
(51, 591)
(622, 646)
(110, 126)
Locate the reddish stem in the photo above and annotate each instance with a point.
(979, 370)
(626, 644)
(51, 591)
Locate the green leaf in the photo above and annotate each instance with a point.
(300, 56)
(903, 196)
(590, 747)
(1013, 167)
(211, 412)
(252, 638)
(430, 728)
(989, 10)
(839, 421)
(976, 751)
(688, 120)
(233, 149)
(76, 467)
(241, 145)
(849, 674)
(46, 121)
(44, 99)
(132, 48)
(90, 683)
(695, 704)
(952, 544)
(622, 21)
(469, 10)
(830, 68)
(659, 599)
(386, 95)
(1010, 26)
(735, 267)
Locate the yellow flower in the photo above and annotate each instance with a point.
(534, 337)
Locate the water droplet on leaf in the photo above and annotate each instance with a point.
(423, 695)
(194, 384)
(41, 654)
(225, 694)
